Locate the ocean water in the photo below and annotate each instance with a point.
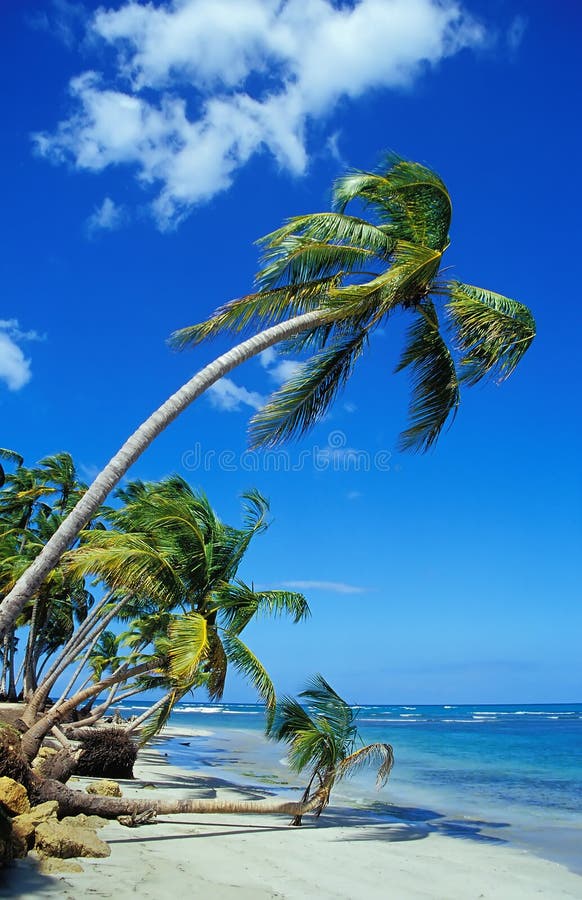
(506, 774)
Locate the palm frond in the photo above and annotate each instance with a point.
(216, 664)
(238, 603)
(245, 662)
(331, 227)
(410, 196)
(493, 331)
(260, 309)
(381, 755)
(188, 637)
(435, 386)
(306, 397)
(327, 705)
(301, 260)
(127, 563)
(11, 456)
(161, 717)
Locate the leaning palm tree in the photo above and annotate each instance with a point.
(328, 281)
(323, 739)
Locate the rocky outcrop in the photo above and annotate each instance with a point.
(13, 797)
(52, 865)
(41, 813)
(85, 821)
(104, 788)
(65, 841)
(22, 837)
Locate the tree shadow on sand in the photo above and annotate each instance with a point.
(387, 822)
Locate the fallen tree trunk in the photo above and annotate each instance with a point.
(72, 802)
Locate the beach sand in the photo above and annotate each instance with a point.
(341, 857)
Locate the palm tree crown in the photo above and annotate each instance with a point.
(358, 272)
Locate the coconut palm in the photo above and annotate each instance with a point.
(323, 739)
(169, 550)
(177, 563)
(328, 280)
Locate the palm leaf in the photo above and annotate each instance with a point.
(493, 331)
(306, 397)
(412, 197)
(260, 309)
(245, 662)
(189, 645)
(332, 227)
(238, 603)
(435, 386)
(378, 754)
(302, 260)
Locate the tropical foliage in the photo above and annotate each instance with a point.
(358, 272)
(323, 740)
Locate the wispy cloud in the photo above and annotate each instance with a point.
(198, 87)
(229, 397)
(63, 19)
(108, 216)
(280, 370)
(15, 368)
(336, 587)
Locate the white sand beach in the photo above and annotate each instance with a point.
(260, 857)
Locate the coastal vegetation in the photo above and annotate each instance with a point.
(101, 603)
(166, 609)
(328, 281)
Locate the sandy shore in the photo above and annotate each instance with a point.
(254, 858)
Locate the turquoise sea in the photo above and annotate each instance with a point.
(485, 773)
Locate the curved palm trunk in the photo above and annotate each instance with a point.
(73, 802)
(139, 441)
(33, 738)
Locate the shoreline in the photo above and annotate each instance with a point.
(345, 855)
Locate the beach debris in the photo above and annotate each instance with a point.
(148, 817)
(65, 841)
(105, 788)
(13, 796)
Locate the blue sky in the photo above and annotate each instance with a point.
(146, 148)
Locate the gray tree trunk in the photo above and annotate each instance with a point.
(139, 441)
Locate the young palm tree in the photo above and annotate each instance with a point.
(329, 279)
(324, 740)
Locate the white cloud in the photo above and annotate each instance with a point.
(14, 366)
(280, 370)
(106, 217)
(229, 397)
(354, 495)
(337, 587)
(199, 86)
(350, 407)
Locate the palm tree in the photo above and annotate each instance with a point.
(329, 279)
(169, 550)
(176, 563)
(324, 740)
